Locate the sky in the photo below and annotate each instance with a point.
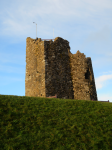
(85, 24)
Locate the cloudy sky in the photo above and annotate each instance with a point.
(87, 25)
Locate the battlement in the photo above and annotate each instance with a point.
(52, 69)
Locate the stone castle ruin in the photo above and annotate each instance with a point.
(52, 69)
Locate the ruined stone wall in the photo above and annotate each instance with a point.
(90, 76)
(82, 77)
(57, 70)
(35, 68)
(52, 69)
(47, 69)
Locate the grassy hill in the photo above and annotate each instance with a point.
(30, 123)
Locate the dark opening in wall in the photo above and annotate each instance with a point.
(41, 94)
(87, 74)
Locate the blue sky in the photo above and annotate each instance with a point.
(87, 25)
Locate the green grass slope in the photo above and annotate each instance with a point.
(30, 123)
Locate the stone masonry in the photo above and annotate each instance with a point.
(52, 69)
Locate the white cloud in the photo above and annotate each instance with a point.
(102, 81)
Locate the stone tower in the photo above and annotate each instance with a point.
(52, 69)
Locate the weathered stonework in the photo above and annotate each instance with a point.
(82, 77)
(52, 69)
